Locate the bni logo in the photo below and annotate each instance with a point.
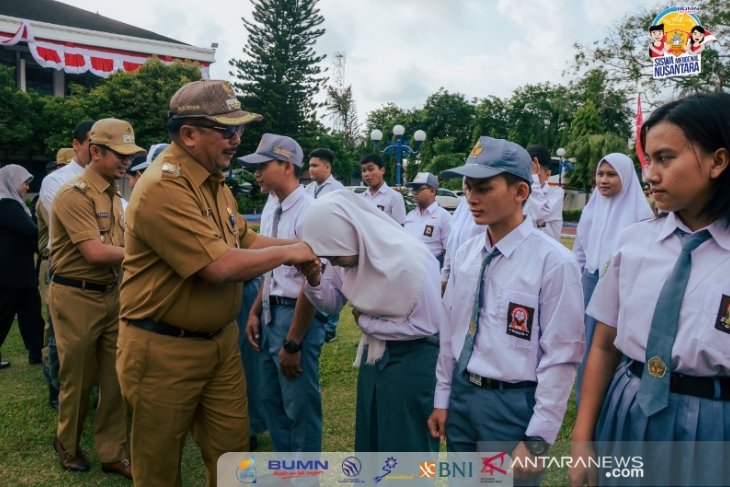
(246, 472)
(427, 469)
(431, 470)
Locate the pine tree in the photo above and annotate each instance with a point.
(282, 72)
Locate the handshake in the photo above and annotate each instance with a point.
(307, 263)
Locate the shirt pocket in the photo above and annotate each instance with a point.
(104, 222)
(518, 315)
(714, 327)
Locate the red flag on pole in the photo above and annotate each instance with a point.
(639, 123)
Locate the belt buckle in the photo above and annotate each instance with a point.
(475, 379)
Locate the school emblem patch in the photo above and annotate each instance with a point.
(722, 321)
(428, 231)
(382, 208)
(519, 321)
(657, 368)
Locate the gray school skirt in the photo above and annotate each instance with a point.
(685, 444)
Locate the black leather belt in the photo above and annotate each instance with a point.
(83, 284)
(167, 329)
(708, 387)
(291, 303)
(488, 383)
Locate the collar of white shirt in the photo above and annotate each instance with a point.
(719, 233)
(383, 189)
(513, 239)
(431, 208)
(293, 198)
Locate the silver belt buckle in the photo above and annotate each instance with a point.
(475, 379)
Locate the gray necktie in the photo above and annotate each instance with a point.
(269, 276)
(653, 394)
(317, 190)
(471, 333)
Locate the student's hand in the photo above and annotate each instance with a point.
(300, 253)
(535, 169)
(582, 472)
(312, 272)
(356, 314)
(437, 423)
(525, 469)
(290, 363)
(253, 331)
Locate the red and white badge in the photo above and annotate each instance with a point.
(519, 321)
(722, 321)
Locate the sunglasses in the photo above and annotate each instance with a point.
(226, 132)
(121, 157)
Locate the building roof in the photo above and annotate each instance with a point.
(54, 12)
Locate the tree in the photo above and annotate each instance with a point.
(445, 158)
(446, 115)
(341, 104)
(623, 54)
(282, 72)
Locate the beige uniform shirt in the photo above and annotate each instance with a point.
(88, 207)
(180, 219)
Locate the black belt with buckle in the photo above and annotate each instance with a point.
(488, 383)
(709, 387)
(167, 329)
(291, 303)
(82, 284)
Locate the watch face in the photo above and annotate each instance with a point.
(537, 447)
(291, 347)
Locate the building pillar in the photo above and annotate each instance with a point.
(59, 79)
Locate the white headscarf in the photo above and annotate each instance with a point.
(603, 218)
(391, 269)
(12, 178)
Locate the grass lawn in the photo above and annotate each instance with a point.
(28, 424)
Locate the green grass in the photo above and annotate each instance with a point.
(28, 424)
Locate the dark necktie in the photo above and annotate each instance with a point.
(653, 394)
(471, 334)
(269, 276)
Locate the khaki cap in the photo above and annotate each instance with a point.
(115, 134)
(64, 156)
(210, 99)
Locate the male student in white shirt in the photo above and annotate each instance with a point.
(320, 170)
(378, 192)
(428, 222)
(545, 204)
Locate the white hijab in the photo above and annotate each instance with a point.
(391, 269)
(12, 178)
(603, 218)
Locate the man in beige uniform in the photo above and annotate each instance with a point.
(187, 253)
(63, 157)
(87, 236)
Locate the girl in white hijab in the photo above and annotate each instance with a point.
(392, 282)
(14, 180)
(617, 202)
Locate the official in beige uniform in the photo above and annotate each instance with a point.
(187, 253)
(86, 254)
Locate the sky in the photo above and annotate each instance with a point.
(401, 51)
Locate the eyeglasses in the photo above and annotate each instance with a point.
(121, 157)
(226, 132)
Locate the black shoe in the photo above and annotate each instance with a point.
(330, 336)
(35, 359)
(4, 364)
(253, 443)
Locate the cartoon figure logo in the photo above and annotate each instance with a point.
(246, 472)
(519, 321)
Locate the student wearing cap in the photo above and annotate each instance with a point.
(49, 187)
(378, 192)
(545, 204)
(391, 281)
(50, 356)
(323, 182)
(428, 222)
(142, 162)
(515, 305)
(87, 242)
(187, 253)
(293, 406)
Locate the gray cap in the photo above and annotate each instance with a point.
(491, 157)
(424, 178)
(279, 147)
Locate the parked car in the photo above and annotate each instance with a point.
(356, 189)
(447, 199)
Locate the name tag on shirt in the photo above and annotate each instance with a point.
(382, 208)
(519, 321)
(722, 322)
(428, 231)
(102, 215)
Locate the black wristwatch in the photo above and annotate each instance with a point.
(536, 444)
(290, 346)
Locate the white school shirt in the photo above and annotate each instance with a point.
(539, 276)
(545, 207)
(461, 229)
(286, 281)
(388, 200)
(54, 182)
(425, 320)
(430, 227)
(626, 295)
(330, 184)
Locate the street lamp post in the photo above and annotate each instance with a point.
(398, 147)
(564, 165)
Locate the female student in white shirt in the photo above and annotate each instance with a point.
(392, 283)
(662, 307)
(617, 202)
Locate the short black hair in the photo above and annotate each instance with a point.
(81, 131)
(542, 154)
(374, 158)
(323, 154)
(656, 27)
(705, 120)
